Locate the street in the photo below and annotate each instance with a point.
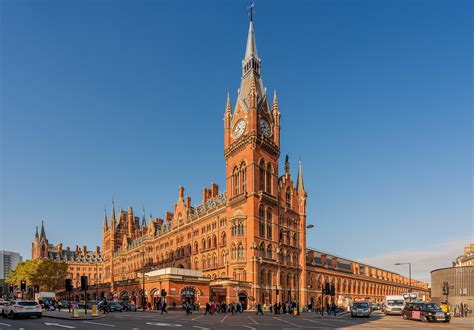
(245, 321)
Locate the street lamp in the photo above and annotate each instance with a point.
(409, 271)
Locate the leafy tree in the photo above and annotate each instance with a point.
(48, 275)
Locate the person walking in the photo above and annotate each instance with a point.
(188, 308)
(105, 307)
(208, 309)
(163, 308)
(259, 309)
(271, 308)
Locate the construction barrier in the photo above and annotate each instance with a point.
(94, 310)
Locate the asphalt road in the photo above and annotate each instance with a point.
(245, 321)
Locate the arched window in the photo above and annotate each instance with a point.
(269, 251)
(269, 179)
(261, 221)
(196, 263)
(263, 277)
(269, 278)
(214, 241)
(262, 175)
(232, 251)
(240, 251)
(288, 197)
(224, 258)
(209, 261)
(203, 244)
(203, 262)
(209, 243)
(269, 223)
(243, 176)
(262, 249)
(223, 239)
(287, 258)
(214, 260)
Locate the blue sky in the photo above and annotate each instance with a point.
(127, 98)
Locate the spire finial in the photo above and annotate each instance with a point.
(105, 225)
(251, 10)
(228, 107)
(36, 232)
(287, 164)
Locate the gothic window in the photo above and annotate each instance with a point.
(240, 251)
(232, 251)
(244, 275)
(196, 263)
(203, 262)
(209, 261)
(295, 240)
(269, 251)
(269, 278)
(243, 176)
(224, 258)
(214, 241)
(262, 249)
(269, 179)
(269, 223)
(262, 175)
(261, 220)
(209, 243)
(262, 277)
(287, 259)
(288, 197)
(203, 244)
(223, 239)
(281, 235)
(214, 259)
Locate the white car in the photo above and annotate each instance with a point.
(17, 308)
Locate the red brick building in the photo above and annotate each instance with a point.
(246, 243)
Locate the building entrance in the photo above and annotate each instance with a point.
(243, 299)
(188, 295)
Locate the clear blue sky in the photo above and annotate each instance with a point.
(127, 98)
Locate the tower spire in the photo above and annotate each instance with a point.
(287, 164)
(36, 233)
(112, 216)
(105, 225)
(299, 182)
(43, 232)
(143, 218)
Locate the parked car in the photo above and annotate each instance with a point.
(375, 307)
(127, 306)
(112, 306)
(360, 309)
(393, 305)
(425, 312)
(16, 308)
(64, 304)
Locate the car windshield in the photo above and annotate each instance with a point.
(395, 302)
(114, 303)
(27, 303)
(430, 306)
(361, 305)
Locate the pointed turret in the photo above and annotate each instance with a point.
(43, 233)
(299, 182)
(112, 216)
(287, 164)
(275, 102)
(36, 233)
(251, 48)
(105, 225)
(143, 218)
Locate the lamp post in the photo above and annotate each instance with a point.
(409, 271)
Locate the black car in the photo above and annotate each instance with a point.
(112, 306)
(425, 312)
(127, 306)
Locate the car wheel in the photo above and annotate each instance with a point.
(424, 319)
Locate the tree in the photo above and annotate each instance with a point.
(48, 275)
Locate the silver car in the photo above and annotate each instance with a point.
(361, 309)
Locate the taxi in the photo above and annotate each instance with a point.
(425, 312)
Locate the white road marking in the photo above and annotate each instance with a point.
(104, 324)
(197, 318)
(296, 325)
(248, 326)
(195, 326)
(321, 322)
(224, 318)
(60, 325)
(255, 322)
(7, 325)
(171, 325)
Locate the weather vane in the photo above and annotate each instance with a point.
(251, 9)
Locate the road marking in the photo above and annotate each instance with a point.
(296, 325)
(61, 325)
(195, 326)
(320, 322)
(104, 324)
(171, 325)
(255, 322)
(8, 325)
(197, 318)
(224, 318)
(248, 326)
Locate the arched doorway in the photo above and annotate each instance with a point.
(188, 294)
(243, 299)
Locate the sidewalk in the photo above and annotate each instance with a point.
(65, 315)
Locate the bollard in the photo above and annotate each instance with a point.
(94, 310)
(75, 312)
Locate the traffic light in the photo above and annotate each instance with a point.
(83, 282)
(68, 285)
(10, 288)
(446, 288)
(23, 285)
(163, 292)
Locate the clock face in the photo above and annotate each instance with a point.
(239, 128)
(265, 127)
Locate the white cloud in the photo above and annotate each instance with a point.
(423, 260)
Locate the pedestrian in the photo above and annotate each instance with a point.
(104, 306)
(271, 308)
(334, 308)
(466, 310)
(208, 309)
(163, 308)
(213, 308)
(188, 308)
(259, 309)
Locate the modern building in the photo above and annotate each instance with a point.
(8, 262)
(459, 279)
(246, 243)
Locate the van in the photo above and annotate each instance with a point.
(393, 305)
